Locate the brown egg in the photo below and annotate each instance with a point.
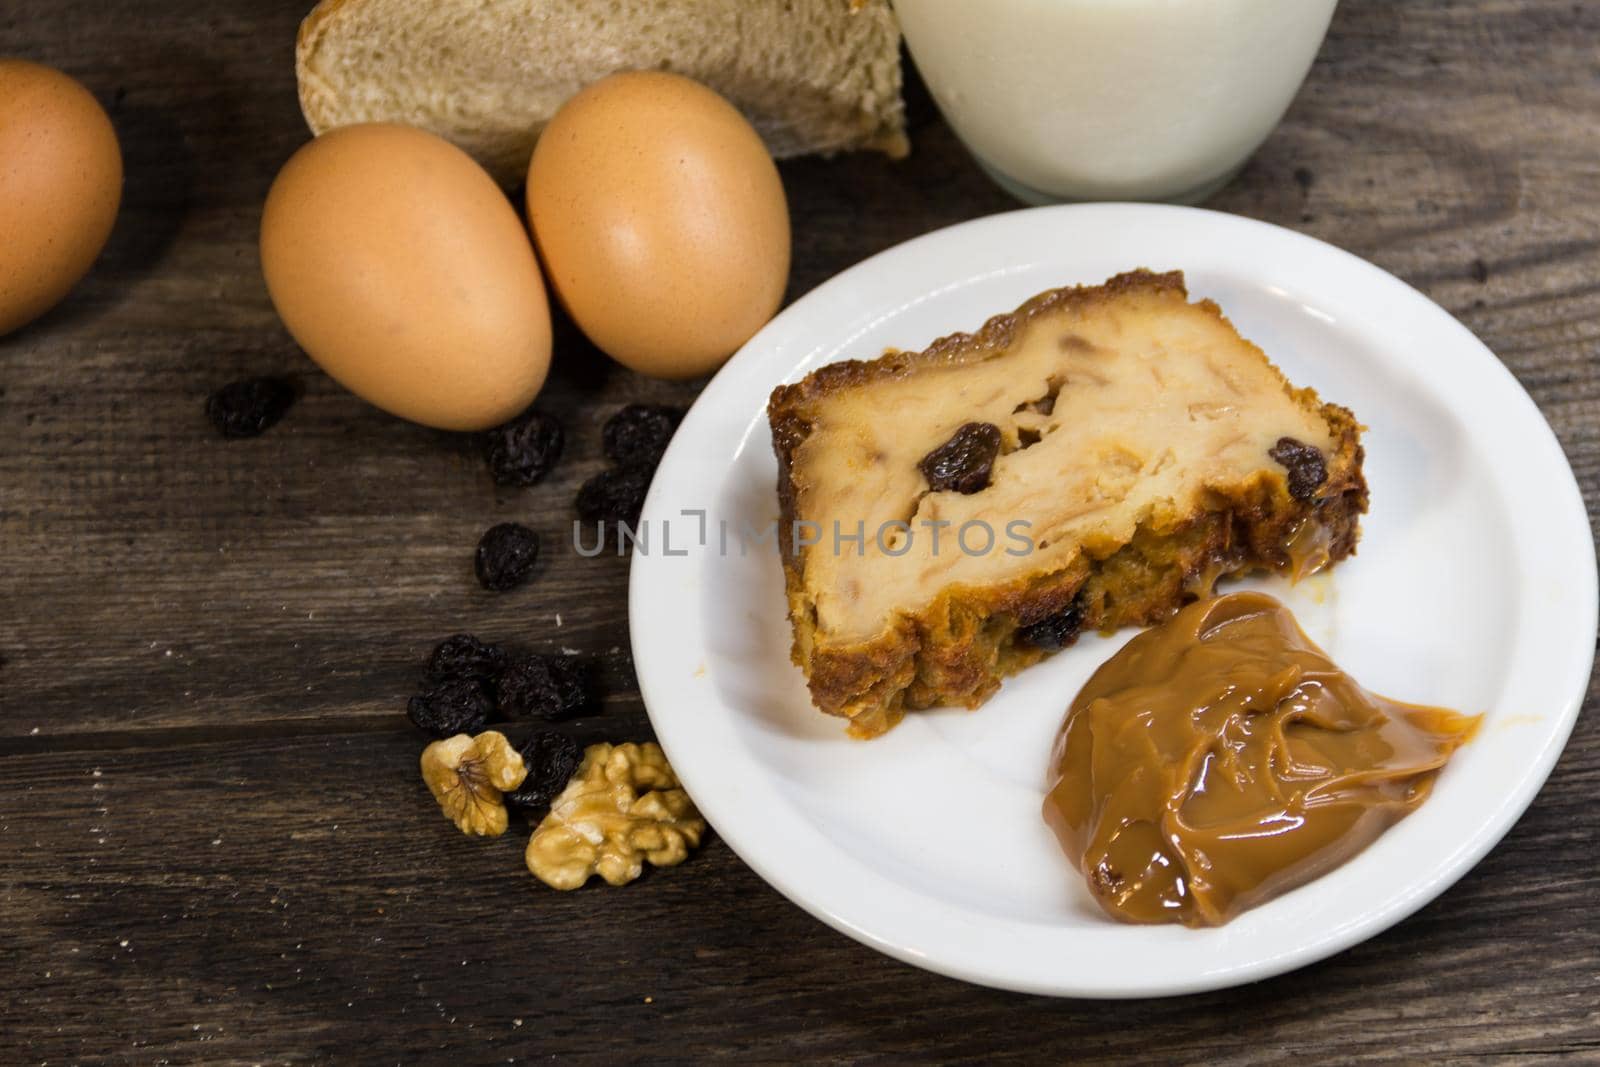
(403, 270)
(661, 222)
(60, 186)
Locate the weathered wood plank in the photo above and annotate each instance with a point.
(301, 897)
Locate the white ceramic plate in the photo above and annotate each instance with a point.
(1474, 589)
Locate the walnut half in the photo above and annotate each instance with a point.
(623, 806)
(467, 776)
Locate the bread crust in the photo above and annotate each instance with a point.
(316, 97)
(956, 651)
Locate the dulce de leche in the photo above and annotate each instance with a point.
(1221, 758)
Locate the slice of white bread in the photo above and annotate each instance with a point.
(811, 75)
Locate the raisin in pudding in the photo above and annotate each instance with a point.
(1094, 459)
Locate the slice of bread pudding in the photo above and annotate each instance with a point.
(1095, 459)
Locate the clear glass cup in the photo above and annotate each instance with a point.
(1113, 99)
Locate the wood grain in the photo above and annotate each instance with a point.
(216, 848)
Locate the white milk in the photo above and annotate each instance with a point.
(1113, 99)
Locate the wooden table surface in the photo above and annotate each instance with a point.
(214, 845)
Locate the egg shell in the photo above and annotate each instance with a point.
(60, 187)
(661, 221)
(402, 269)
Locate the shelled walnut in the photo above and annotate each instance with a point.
(624, 806)
(468, 775)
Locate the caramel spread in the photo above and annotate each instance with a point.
(1221, 758)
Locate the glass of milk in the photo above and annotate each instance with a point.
(1113, 99)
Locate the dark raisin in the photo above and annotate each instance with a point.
(249, 407)
(455, 706)
(523, 450)
(551, 758)
(637, 435)
(505, 555)
(615, 495)
(1306, 467)
(964, 462)
(464, 656)
(1054, 631)
(544, 687)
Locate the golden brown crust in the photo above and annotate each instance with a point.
(315, 96)
(957, 650)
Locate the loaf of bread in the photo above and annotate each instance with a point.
(811, 75)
